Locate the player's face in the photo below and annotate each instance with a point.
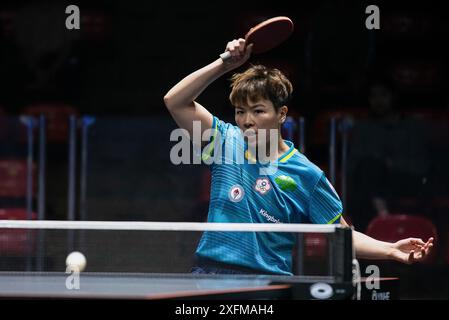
(257, 115)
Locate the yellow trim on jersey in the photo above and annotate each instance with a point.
(249, 156)
(207, 153)
(335, 218)
(288, 156)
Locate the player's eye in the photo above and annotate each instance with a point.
(238, 112)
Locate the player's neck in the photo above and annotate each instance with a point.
(282, 147)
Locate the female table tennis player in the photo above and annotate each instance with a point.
(297, 191)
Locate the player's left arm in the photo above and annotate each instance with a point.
(408, 250)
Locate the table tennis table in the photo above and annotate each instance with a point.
(143, 286)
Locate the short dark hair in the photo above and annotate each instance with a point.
(259, 82)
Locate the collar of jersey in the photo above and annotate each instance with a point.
(287, 155)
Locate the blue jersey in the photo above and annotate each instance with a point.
(297, 192)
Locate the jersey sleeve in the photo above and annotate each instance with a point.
(325, 205)
(219, 132)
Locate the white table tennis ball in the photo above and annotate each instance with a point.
(76, 260)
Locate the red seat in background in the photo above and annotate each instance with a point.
(15, 214)
(395, 227)
(315, 245)
(95, 26)
(7, 26)
(13, 178)
(57, 116)
(17, 242)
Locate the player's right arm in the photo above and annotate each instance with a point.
(407, 250)
(180, 100)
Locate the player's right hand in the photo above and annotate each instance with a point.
(412, 250)
(240, 53)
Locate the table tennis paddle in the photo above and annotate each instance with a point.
(266, 35)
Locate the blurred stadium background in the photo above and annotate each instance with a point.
(84, 133)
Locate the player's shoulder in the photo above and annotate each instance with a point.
(305, 167)
(224, 127)
(302, 170)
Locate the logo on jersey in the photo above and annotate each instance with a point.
(269, 217)
(262, 185)
(286, 183)
(236, 193)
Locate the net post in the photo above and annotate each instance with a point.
(342, 254)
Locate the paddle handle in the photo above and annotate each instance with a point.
(225, 56)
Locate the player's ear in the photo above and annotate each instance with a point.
(282, 114)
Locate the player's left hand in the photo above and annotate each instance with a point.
(411, 250)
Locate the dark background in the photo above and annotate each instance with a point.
(127, 55)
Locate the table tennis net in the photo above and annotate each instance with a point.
(169, 247)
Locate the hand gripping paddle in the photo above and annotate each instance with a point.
(266, 35)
